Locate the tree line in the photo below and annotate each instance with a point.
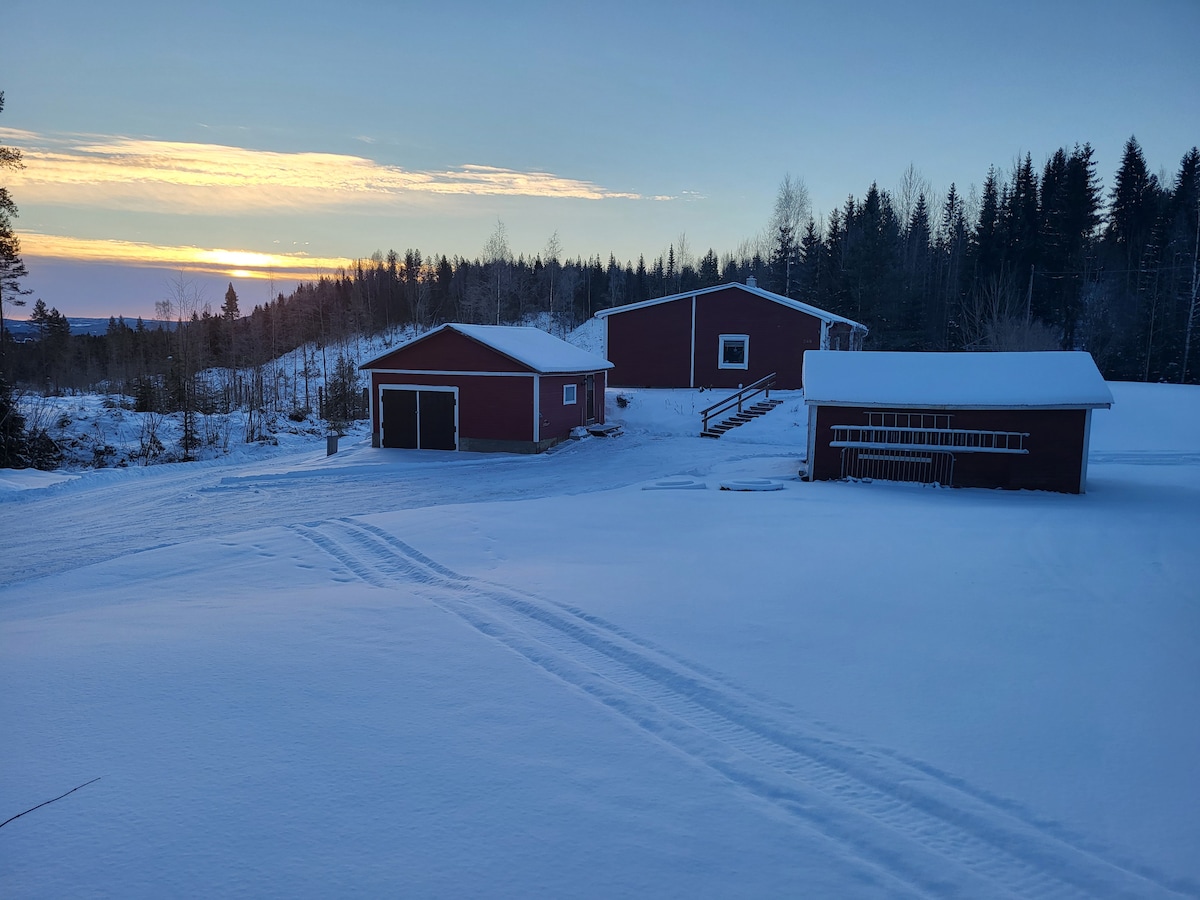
(1035, 260)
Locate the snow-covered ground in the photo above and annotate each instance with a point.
(437, 674)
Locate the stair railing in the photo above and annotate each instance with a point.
(762, 386)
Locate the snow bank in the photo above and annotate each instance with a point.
(441, 674)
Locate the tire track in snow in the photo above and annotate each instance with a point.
(932, 832)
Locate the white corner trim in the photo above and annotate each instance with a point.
(537, 408)
(1087, 444)
(692, 355)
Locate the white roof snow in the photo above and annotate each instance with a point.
(1046, 380)
(757, 291)
(532, 347)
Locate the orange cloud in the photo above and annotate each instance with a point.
(232, 263)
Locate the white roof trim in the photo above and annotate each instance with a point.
(822, 314)
(981, 380)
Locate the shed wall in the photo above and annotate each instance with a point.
(558, 418)
(1056, 445)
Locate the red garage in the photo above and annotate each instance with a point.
(998, 420)
(724, 336)
(485, 388)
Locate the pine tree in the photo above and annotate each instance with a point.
(985, 253)
(1132, 242)
(783, 256)
(918, 277)
(710, 269)
(1185, 225)
(1131, 211)
(950, 249)
(12, 268)
(1020, 220)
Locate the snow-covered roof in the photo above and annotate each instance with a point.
(532, 347)
(757, 291)
(1047, 380)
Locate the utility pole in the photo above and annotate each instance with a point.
(1029, 298)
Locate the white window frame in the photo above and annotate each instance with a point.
(745, 339)
(570, 394)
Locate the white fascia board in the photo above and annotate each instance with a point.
(873, 404)
(444, 372)
(823, 315)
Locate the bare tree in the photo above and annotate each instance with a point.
(912, 186)
(553, 249)
(498, 256)
(792, 207)
(995, 317)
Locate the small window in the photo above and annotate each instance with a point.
(735, 351)
(569, 394)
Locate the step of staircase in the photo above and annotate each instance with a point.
(761, 408)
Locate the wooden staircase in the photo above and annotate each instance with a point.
(739, 409)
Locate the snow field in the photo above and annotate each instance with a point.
(433, 674)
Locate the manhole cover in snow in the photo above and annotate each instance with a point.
(751, 484)
(675, 484)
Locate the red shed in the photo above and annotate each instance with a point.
(998, 420)
(484, 387)
(724, 336)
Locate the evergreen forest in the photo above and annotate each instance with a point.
(1036, 259)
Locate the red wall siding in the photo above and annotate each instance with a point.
(778, 338)
(449, 351)
(650, 347)
(493, 408)
(557, 419)
(1055, 445)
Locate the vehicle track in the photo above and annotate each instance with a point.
(932, 832)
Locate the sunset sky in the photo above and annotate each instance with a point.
(265, 142)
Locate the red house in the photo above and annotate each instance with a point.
(998, 420)
(485, 388)
(724, 336)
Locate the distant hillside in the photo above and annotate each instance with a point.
(23, 328)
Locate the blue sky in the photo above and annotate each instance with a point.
(239, 140)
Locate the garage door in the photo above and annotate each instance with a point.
(417, 419)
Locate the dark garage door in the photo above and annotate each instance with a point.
(418, 420)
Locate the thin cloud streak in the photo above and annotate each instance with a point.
(233, 263)
(175, 176)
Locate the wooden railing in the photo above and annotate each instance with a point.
(762, 386)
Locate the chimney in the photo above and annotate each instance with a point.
(751, 281)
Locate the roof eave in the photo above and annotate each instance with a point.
(823, 315)
(876, 404)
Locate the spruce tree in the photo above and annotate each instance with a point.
(12, 268)
(14, 451)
